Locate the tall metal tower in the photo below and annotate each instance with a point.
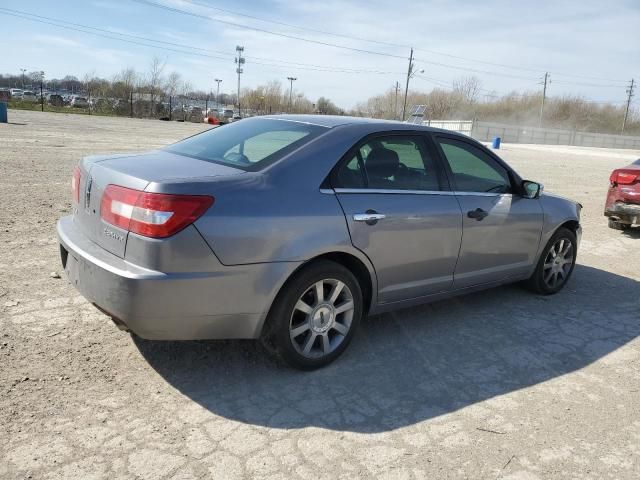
(239, 62)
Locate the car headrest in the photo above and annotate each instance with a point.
(382, 162)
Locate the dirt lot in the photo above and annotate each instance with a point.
(500, 384)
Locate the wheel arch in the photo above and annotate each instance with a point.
(360, 267)
(572, 225)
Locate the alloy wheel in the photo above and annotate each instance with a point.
(321, 318)
(558, 263)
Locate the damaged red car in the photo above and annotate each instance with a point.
(623, 199)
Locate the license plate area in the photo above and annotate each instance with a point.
(72, 267)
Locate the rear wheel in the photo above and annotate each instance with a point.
(315, 316)
(618, 226)
(556, 263)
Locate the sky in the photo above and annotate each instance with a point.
(590, 47)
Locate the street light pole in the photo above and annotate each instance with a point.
(239, 62)
(23, 70)
(217, 80)
(291, 80)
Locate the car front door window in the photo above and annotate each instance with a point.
(473, 170)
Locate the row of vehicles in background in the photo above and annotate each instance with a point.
(52, 98)
(165, 110)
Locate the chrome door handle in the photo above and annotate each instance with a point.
(370, 217)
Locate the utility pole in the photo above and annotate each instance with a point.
(291, 80)
(23, 70)
(395, 107)
(545, 81)
(239, 62)
(406, 89)
(217, 80)
(41, 96)
(629, 96)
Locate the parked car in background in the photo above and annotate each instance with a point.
(55, 100)
(622, 206)
(5, 93)
(226, 114)
(315, 221)
(79, 102)
(16, 93)
(29, 96)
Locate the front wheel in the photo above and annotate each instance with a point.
(556, 263)
(314, 318)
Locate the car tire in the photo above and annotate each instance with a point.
(315, 316)
(556, 263)
(618, 226)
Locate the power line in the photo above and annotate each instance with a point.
(208, 17)
(197, 51)
(263, 30)
(139, 40)
(588, 85)
(290, 25)
(145, 41)
(390, 44)
(503, 65)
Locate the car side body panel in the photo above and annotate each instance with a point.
(558, 211)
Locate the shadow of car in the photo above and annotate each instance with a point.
(414, 364)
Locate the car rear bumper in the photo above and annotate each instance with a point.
(624, 212)
(229, 303)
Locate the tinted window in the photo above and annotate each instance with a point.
(473, 170)
(250, 144)
(389, 163)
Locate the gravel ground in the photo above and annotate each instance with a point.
(499, 384)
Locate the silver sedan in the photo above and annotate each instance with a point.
(292, 228)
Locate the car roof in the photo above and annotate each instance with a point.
(331, 121)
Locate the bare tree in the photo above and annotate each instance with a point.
(90, 84)
(173, 84)
(156, 68)
(126, 81)
(467, 88)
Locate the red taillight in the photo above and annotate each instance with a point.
(75, 184)
(156, 215)
(624, 177)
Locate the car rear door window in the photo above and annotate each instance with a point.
(396, 162)
(474, 170)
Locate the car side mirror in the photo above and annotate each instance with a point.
(531, 189)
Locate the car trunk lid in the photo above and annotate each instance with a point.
(135, 171)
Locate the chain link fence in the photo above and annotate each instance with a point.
(132, 104)
(487, 131)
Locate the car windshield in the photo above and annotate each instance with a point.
(250, 145)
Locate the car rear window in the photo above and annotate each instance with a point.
(250, 144)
